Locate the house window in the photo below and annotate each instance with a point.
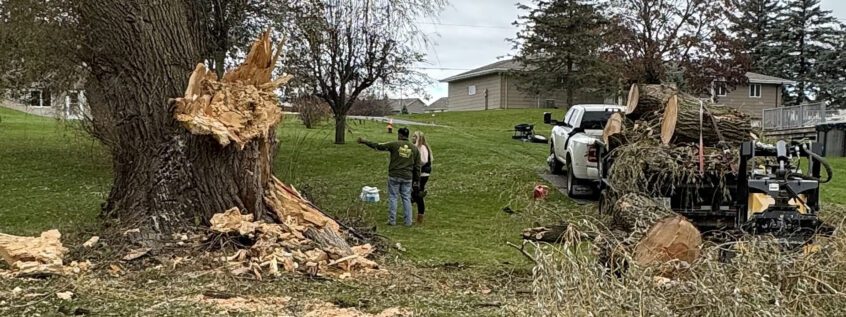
(755, 91)
(550, 103)
(73, 104)
(471, 90)
(720, 89)
(35, 98)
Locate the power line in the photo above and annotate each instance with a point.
(441, 68)
(470, 25)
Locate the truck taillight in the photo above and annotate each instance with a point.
(592, 155)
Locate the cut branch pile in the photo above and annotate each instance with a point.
(305, 240)
(239, 108)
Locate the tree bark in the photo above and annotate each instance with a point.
(165, 178)
(340, 128)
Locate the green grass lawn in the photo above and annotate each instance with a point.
(52, 176)
(478, 170)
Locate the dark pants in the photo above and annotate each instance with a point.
(418, 197)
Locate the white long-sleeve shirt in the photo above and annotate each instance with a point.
(424, 157)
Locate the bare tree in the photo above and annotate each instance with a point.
(340, 48)
(656, 35)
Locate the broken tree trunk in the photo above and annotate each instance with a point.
(167, 179)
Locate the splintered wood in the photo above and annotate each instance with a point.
(306, 240)
(34, 255)
(240, 107)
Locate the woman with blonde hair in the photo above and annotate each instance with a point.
(417, 196)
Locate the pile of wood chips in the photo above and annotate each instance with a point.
(306, 240)
(37, 256)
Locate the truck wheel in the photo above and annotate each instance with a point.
(572, 181)
(555, 166)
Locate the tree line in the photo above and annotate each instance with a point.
(606, 45)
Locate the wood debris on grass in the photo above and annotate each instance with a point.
(287, 306)
(306, 240)
(274, 305)
(33, 256)
(91, 242)
(331, 310)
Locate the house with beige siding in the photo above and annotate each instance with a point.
(407, 105)
(761, 92)
(493, 87)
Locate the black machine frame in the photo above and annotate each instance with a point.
(727, 213)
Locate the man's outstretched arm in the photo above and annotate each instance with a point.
(374, 145)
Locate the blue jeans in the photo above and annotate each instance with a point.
(399, 187)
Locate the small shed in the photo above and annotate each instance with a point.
(833, 138)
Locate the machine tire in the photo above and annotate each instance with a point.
(555, 166)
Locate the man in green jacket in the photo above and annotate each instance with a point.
(403, 173)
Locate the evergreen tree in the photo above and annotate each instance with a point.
(807, 37)
(832, 76)
(753, 23)
(559, 47)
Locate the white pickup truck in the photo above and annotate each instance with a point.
(572, 148)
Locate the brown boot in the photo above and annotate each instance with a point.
(419, 219)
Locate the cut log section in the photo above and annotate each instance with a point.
(673, 238)
(650, 101)
(613, 126)
(668, 122)
(657, 233)
(634, 96)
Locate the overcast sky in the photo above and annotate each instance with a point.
(473, 33)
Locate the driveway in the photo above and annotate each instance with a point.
(560, 183)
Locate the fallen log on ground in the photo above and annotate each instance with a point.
(651, 233)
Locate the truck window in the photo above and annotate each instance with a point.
(569, 115)
(595, 120)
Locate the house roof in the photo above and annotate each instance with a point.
(755, 78)
(495, 68)
(441, 103)
(509, 64)
(413, 105)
